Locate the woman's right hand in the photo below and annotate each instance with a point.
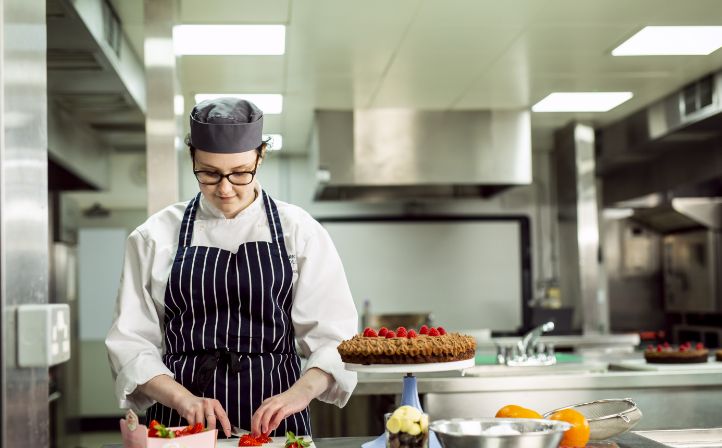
(171, 393)
(203, 410)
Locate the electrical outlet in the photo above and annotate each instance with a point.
(43, 334)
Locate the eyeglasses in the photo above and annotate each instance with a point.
(236, 177)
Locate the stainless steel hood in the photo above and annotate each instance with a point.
(687, 118)
(399, 154)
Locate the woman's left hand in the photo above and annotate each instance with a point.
(275, 409)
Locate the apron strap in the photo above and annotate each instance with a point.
(274, 221)
(186, 230)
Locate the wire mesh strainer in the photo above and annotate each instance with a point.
(607, 418)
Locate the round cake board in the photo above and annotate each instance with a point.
(411, 368)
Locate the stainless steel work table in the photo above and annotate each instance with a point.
(692, 397)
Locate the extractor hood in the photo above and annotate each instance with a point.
(687, 118)
(405, 154)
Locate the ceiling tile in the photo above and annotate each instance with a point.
(234, 11)
(478, 13)
(228, 74)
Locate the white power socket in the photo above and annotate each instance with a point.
(43, 334)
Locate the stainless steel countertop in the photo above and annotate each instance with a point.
(629, 440)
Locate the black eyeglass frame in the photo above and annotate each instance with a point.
(228, 176)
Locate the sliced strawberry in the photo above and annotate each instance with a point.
(390, 334)
(383, 331)
(441, 330)
(424, 330)
(412, 334)
(401, 332)
(433, 332)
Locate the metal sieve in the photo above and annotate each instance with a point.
(607, 418)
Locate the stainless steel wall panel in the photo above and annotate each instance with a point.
(161, 126)
(24, 240)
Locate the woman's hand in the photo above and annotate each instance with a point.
(274, 409)
(203, 410)
(169, 392)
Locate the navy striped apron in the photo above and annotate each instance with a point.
(228, 331)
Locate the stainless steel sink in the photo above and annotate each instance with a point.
(686, 438)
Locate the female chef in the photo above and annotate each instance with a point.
(216, 291)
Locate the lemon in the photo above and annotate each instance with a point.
(424, 422)
(393, 424)
(414, 429)
(413, 414)
(405, 422)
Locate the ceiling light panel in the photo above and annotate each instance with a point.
(229, 39)
(581, 101)
(269, 103)
(672, 40)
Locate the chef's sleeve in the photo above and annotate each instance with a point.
(323, 312)
(134, 341)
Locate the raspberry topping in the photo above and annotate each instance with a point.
(424, 330)
(412, 334)
(699, 346)
(433, 332)
(390, 334)
(441, 330)
(372, 333)
(383, 331)
(659, 348)
(401, 332)
(650, 348)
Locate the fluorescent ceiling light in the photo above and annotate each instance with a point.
(581, 101)
(276, 141)
(672, 40)
(269, 103)
(229, 39)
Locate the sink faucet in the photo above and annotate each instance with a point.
(528, 341)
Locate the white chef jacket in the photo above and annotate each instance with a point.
(323, 312)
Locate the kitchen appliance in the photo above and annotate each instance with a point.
(692, 271)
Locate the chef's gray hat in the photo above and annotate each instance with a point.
(226, 125)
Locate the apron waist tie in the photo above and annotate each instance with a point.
(206, 364)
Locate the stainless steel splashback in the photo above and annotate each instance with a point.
(402, 153)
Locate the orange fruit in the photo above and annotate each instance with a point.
(576, 436)
(514, 411)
